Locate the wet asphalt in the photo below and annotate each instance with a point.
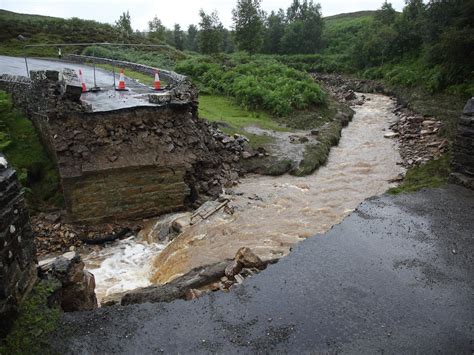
(396, 276)
(104, 100)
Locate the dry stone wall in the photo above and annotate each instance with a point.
(463, 148)
(17, 248)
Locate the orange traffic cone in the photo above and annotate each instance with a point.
(121, 85)
(157, 81)
(83, 83)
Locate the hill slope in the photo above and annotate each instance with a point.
(45, 29)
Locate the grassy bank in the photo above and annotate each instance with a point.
(35, 322)
(434, 173)
(232, 118)
(20, 143)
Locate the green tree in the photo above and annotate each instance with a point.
(156, 29)
(304, 29)
(191, 39)
(386, 14)
(374, 46)
(450, 39)
(410, 28)
(210, 33)
(248, 24)
(123, 24)
(178, 37)
(275, 29)
(228, 45)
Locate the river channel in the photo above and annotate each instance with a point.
(267, 214)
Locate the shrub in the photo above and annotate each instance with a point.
(255, 82)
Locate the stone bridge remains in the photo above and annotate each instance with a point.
(132, 162)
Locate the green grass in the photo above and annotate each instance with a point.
(434, 173)
(29, 334)
(20, 143)
(223, 109)
(235, 118)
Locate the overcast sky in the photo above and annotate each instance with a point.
(184, 12)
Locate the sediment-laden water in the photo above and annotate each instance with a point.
(270, 214)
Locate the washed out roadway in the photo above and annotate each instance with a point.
(105, 100)
(396, 276)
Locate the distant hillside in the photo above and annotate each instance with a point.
(45, 29)
(350, 15)
(340, 30)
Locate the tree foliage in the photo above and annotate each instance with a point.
(124, 24)
(191, 38)
(178, 37)
(248, 24)
(210, 33)
(275, 29)
(304, 28)
(156, 29)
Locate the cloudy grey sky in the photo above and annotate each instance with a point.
(184, 12)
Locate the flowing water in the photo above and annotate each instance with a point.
(270, 214)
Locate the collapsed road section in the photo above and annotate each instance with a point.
(126, 162)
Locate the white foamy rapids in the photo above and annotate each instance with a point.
(123, 266)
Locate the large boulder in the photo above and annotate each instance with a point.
(77, 290)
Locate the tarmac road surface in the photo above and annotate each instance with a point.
(105, 100)
(396, 276)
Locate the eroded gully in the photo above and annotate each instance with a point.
(267, 214)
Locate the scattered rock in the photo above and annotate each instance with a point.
(350, 96)
(192, 294)
(233, 269)
(295, 139)
(180, 224)
(77, 290)
(248, 258)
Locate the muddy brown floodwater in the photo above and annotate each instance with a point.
(271, 214)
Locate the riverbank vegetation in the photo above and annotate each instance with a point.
(434, 173)
(254, 82)
(21, 145)
(35, 321)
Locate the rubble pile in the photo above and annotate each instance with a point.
(418, 137)
(52, 235)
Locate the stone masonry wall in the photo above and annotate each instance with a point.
(136, 162)
(19, 87)
(463, 148)
(17, 248)
(131, 162)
